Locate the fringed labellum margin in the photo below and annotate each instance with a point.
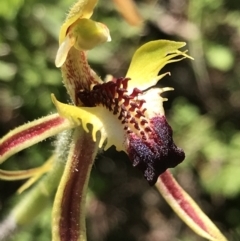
(149, 142)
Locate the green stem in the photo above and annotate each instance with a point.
(33, 202)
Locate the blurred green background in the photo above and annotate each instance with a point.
(204, 111)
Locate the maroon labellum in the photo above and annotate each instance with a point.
(156, 154)
(149, 141)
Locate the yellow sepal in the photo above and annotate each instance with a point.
(84, 34)
(81, 9)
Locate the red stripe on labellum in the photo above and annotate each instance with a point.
(28, 134)
(73, 194)
(174, 190)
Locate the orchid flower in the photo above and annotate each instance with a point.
(124, 112)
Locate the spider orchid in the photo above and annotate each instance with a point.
(125, 112)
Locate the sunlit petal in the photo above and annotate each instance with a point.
(149, 59)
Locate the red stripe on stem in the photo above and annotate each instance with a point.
(173, 188)
(28, 134)
(72, 221)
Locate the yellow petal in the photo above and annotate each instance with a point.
(47, 166)
(81, 9)
(149, 59)
(19, 175)
(101, 119)
(34, 173)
